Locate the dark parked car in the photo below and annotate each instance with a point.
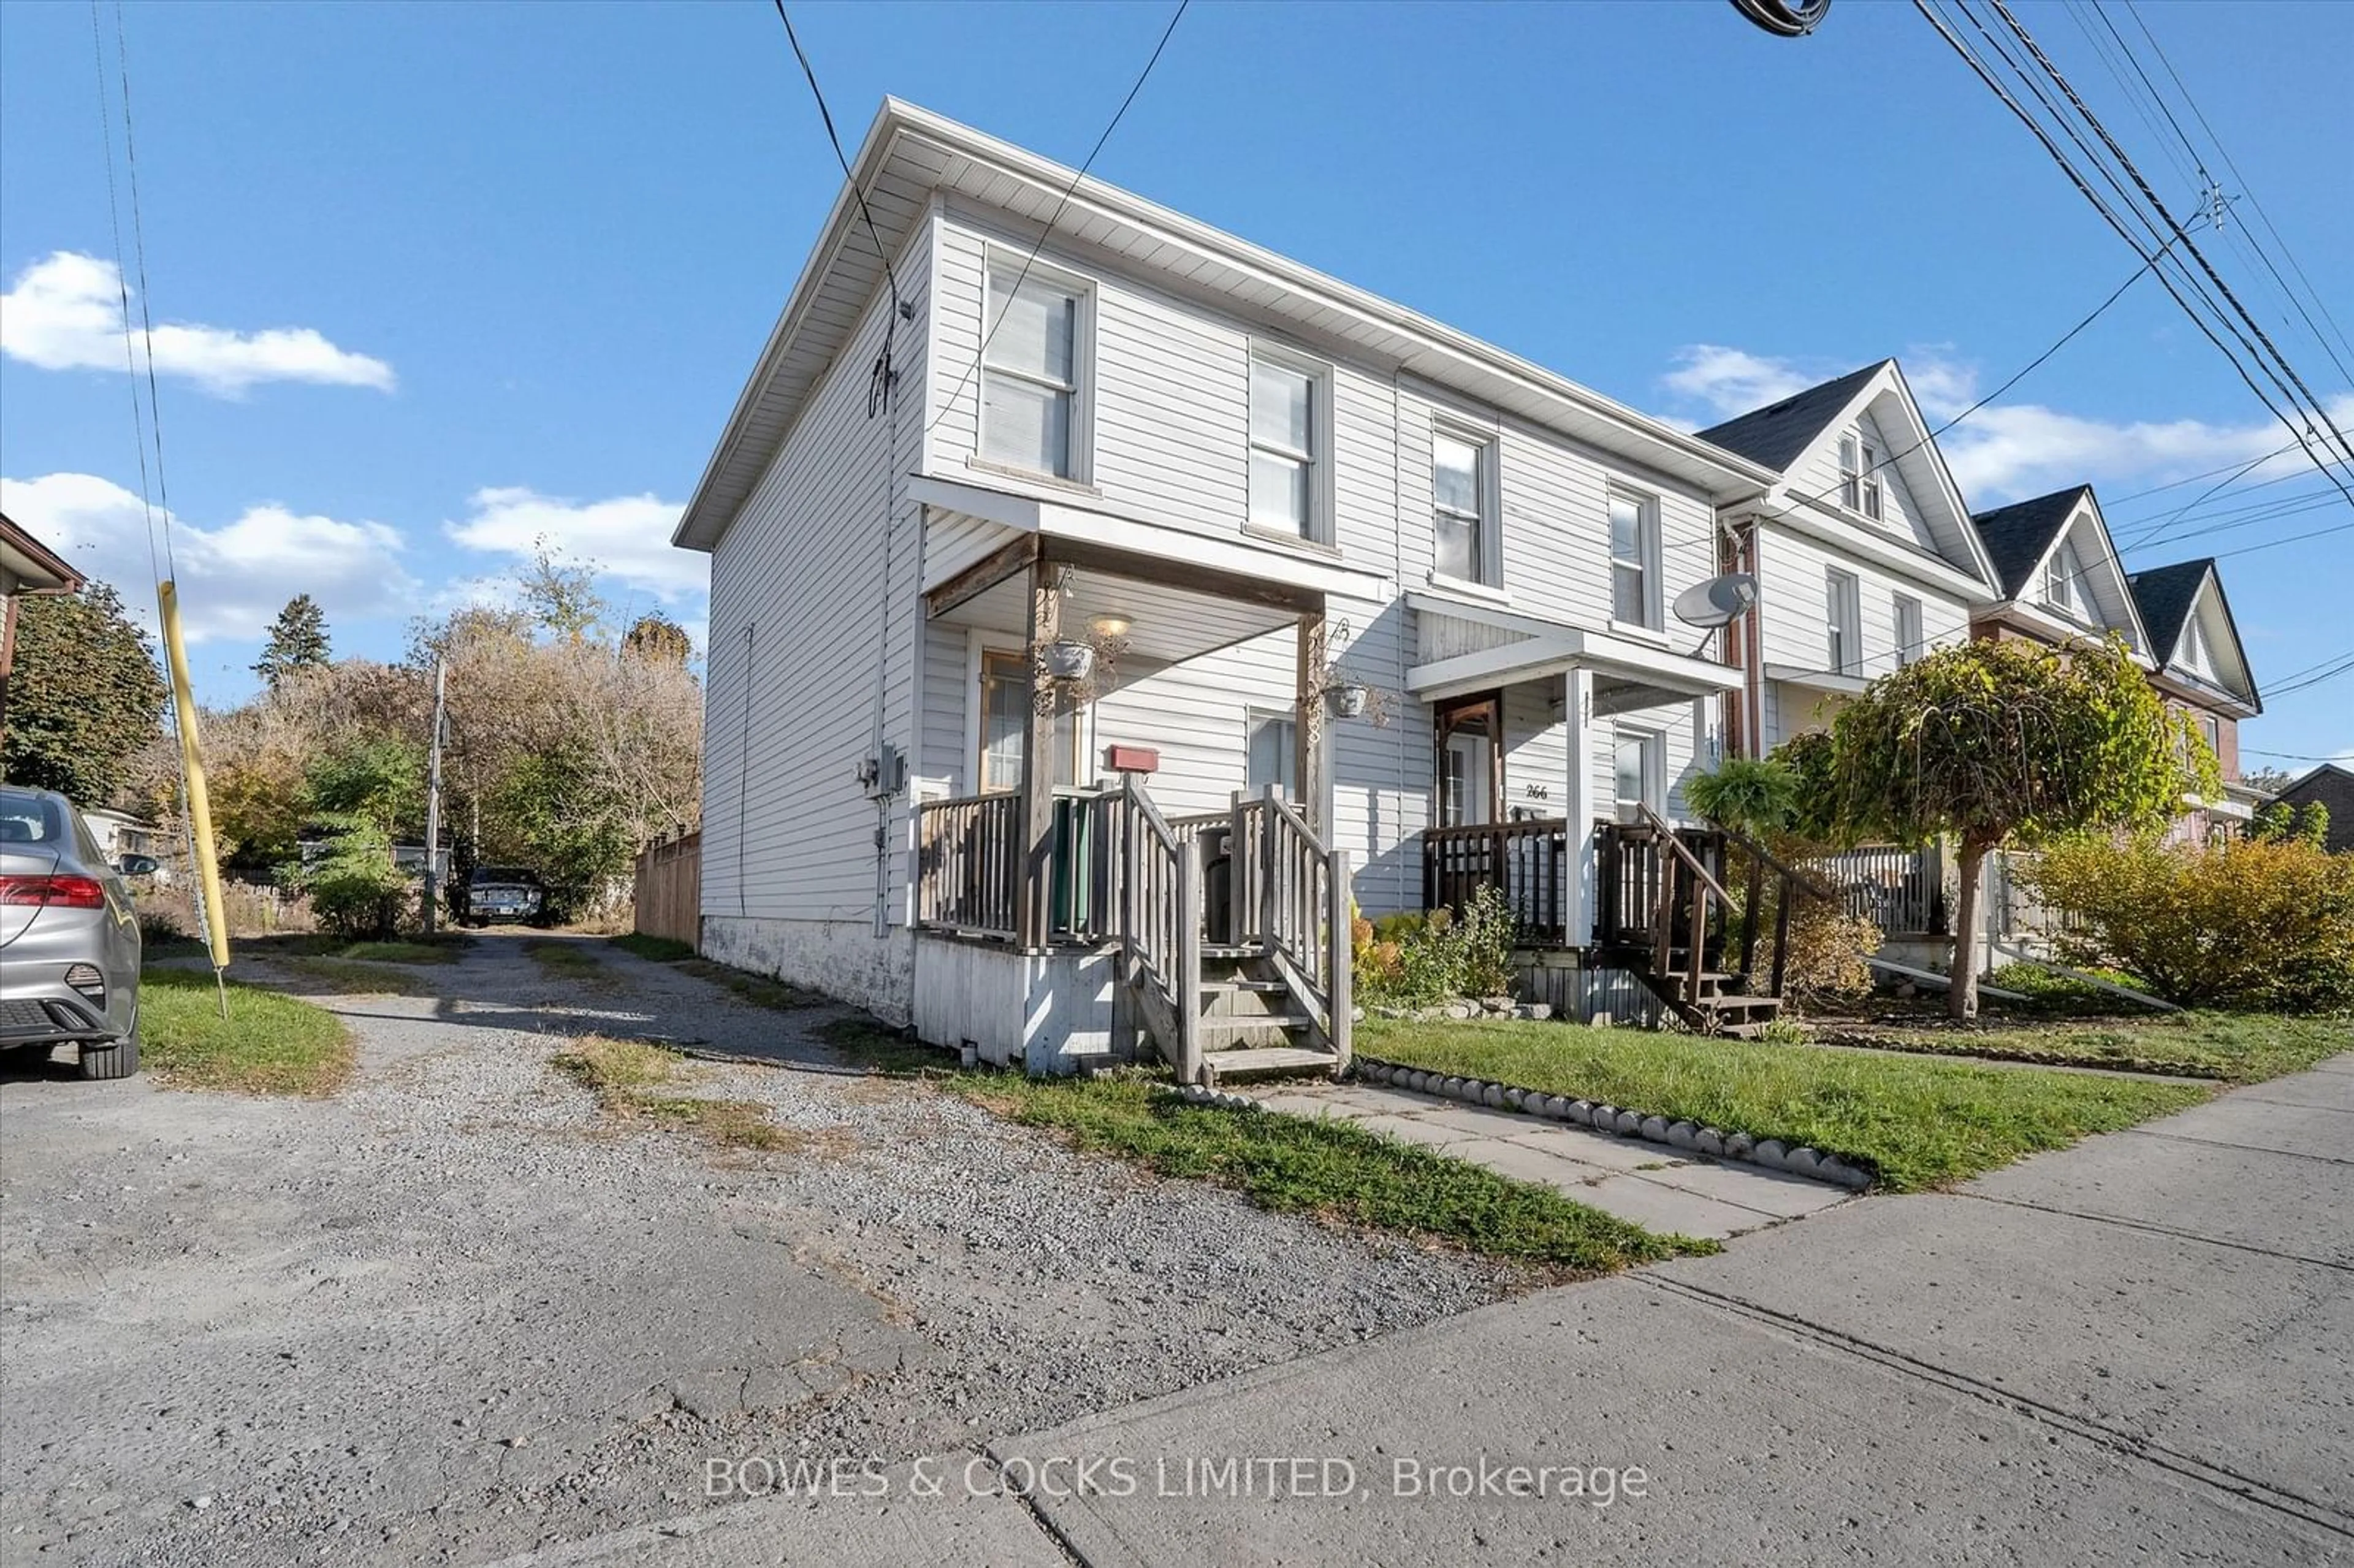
(69, 940)
(504, 893)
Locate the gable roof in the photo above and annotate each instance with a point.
(2168, 596)
(1778, 433)
(911, 153)
(2018, 536)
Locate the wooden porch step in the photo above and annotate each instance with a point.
(1225, 950)
(1236, 1023)
(1243, 983)
(1737, 1003)
(1269, 1059)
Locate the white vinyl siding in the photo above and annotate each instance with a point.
(1030, 376)
(1793, 609)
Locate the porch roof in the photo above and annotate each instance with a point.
(1537, 650)
(1833, 680)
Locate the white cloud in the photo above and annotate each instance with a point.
(232, 580)
(1729, 381)
(627, 538)
(2007, 449)
(65, 314)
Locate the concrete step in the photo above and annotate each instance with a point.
(1218, 1064)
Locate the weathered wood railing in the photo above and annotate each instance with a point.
(1794, 884)
(1159, 926)
(1303, 906)
(969, 855)
(1628, 871)
(1687, 916)
(1529, 861)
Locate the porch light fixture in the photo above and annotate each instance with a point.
(1110, 625)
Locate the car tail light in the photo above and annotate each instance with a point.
(85, 979)
(52, 892)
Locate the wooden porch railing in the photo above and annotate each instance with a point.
(1898, 890)
(1529, 861)
(1159, 905)
(969, 855)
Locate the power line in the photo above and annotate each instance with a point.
(878, 384)
(2207, 473)
(2292, 539)
(2225, 154)
(2292, 755)
(2051, 148)
(2317, 664)
(2226, 520)
(146, 296)
(1054, 217)
(122, 293)
(2343, 666)
(2191, 247)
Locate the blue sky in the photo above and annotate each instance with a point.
(519, 257)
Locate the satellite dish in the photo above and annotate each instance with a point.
(1716, 601)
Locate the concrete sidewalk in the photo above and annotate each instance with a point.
(2133, 1350)
(1654, 1186)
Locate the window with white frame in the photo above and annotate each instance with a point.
(1634, 559)
(1005, 682)
(2211, 729)
(1274, 753)
(1851, 475)
(1288, 399)
(2063, 581)
(1641, 768)
(1031, 412)
(1908, 629)
(1462, 486)
(2194, 655)
(1844, 622)
(1872, 504)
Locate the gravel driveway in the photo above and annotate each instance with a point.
(453, 1313)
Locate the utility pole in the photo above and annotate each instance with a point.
(433, 803)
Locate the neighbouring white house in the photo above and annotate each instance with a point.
(1862, 547)
(2202, 671)
(1099, 615)
(2060, 574)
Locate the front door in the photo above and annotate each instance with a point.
(1470, 745)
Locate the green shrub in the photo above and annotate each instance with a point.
(1418, 960)
(2248, 923)
(355, 888)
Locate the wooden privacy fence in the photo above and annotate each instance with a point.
(670, 889)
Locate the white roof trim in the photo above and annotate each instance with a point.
(913, 146)
(1798, 675)
(1558, 650)
(1117, 529)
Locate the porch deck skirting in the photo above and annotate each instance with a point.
(1586, 986)
(1052, 1010)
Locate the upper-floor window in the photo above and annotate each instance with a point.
(2212, 730)
(2195, 656)
(1872, 504)
(2063, 581)
(1851, 475)
(1844, 623)
(1634, 559)
(1031, 412)
(1463, 507)
(1908, 629)
(1287, 399)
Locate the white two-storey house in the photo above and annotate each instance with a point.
(1369, 613)
(1862, 547)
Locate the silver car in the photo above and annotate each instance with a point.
(69, 940)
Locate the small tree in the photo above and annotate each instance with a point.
(656, 636)
(2280, 822)
(86, 696)
(2000, 743)
(298, 640)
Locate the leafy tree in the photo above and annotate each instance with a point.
(86, 696)
(561, 596)
(2270, 780)
(658, 637)
(2280, 822)
(298, 640)
(2007, 743)
(353, 887)
(380, 781)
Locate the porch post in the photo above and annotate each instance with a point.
(1034, 889)
(1311, 765)
(1579, 889)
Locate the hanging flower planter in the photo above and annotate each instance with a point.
(1348, 699)
(1069, 659)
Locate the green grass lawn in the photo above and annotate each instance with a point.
(271, 1043)
(1331, 1169)
(661, 950)
(1918, 1121)
(2238, 1048)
